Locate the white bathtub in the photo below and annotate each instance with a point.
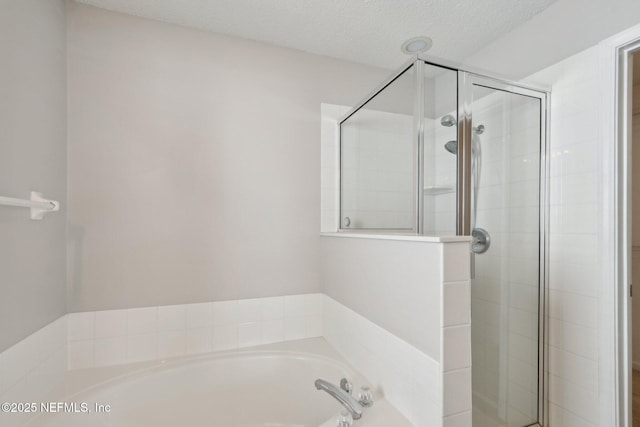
(268, 386)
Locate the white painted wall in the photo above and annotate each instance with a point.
(33, 156)
(194, 162)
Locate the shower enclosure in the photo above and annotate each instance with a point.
(437, 150)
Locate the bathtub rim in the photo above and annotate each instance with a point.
(317, 349)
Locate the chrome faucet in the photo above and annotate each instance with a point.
(352, 405)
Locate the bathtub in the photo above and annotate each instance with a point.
(266, 386)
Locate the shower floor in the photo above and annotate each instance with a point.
(486, 415)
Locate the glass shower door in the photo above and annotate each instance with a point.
(506, 144)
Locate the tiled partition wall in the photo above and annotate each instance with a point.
(399, 311)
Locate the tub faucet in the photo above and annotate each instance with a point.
(352, 405)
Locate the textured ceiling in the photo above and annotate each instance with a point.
(365, 31)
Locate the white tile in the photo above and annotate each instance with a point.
(427, 378)
(456, 306)
(110, 323)
(574, 398)
(456, 391)
(16, 363)
(314, 304)
(456, 262)
(55, 368)
(295, 305)
(3, 378)
(225, 337)
(31, 348)
(172, 318)
(199, 340)
(272, 308)
(249, 334)
(142, 347)
(314, 326)
(142, 320)
(574, 368)
(573, 338)
(574, 308)
(249, 310)
(81, 326)
(456, 349)
(81, 354)
(272, 331)
(20, 392)
(458, 420)
(225, 312)
(199, 315)
(523, 322)
(110, 351)
(295, 328)
(171, 343)
(559, 416)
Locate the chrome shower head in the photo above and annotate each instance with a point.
(448, 121)
(452, 147)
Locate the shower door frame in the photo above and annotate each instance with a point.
(466, 81)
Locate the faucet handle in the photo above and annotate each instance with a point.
(344, 419)
(365, 397)
(346, 385)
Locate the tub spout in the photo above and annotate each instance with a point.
(350, 404)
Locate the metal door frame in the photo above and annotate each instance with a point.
(466, 81)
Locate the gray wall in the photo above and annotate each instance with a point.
(194, 162)
(32, 157)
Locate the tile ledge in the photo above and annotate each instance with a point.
(403, 237)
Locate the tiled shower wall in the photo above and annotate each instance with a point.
(377, 167)
(384, 179)
(440, 180)
(574, 264)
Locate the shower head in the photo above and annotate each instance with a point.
(452, 147)
(448, 121)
